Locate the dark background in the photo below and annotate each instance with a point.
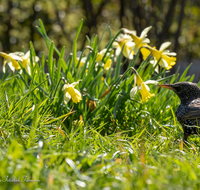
(176, 21)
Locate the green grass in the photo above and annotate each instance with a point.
(121, 144)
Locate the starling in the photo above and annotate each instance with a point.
(188, 112)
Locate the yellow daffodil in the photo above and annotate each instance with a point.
(101, 54)
(99, 58)
(166, 59)
(71, 93)
(143, 88)
(82, 61)
(11, 59)
(125, 41)
(26, 61)
(139, 41)
(108, 64)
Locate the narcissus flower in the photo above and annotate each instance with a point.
(71, 93)
(143, 88)
(101, 54)
(99, 60)
(139, 41)
(166, 59)
(26, 61)
(11, 59)
(107, 65)
(82, 61)
(125, 41)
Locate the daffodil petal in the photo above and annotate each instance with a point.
(163, 63)
(118, 51)
(153, 62)
(133, 91)
(145, 31)
(169, 53)
(164, 46)
(146, 87)
(115, 45)
(67, 97)
(27, 55)
(108, 64)
(76, 97)
(151, 82)
(11, 66)
(157, 69)
(146, 41)
(145, 52)
(145, 93)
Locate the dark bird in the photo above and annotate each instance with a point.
(188, 112)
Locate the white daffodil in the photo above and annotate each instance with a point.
(125, 41)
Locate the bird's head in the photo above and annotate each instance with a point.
(186, 91)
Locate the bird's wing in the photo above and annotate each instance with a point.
(193, 111)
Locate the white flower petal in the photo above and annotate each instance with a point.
(146, 41)
(127, 52)
(103, 51)
(11, 66)
(27, 55)
(67, 97)
(153, 62)
(133, 32)
(77, 92)
(145, 31)
(37, 58)
(163, 63)
(20, 54)
(151, 82)
(16, 57)
(130, 44)
(28, 69)
(164, 46)
(133, 91)
(118, 51)
(115, 45)
(170, 54)
(65, 86)
(157, 69)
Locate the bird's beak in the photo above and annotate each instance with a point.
(168, 86)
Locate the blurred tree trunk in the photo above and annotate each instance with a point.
(180, 20)
(92, 15)
(121, 12)
(168, 21)
(6, 39)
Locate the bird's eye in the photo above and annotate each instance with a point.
(178, 89)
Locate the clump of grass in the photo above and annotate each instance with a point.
(106, 141)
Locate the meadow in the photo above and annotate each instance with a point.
(81, 123)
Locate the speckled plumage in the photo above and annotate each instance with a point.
(188, 112)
